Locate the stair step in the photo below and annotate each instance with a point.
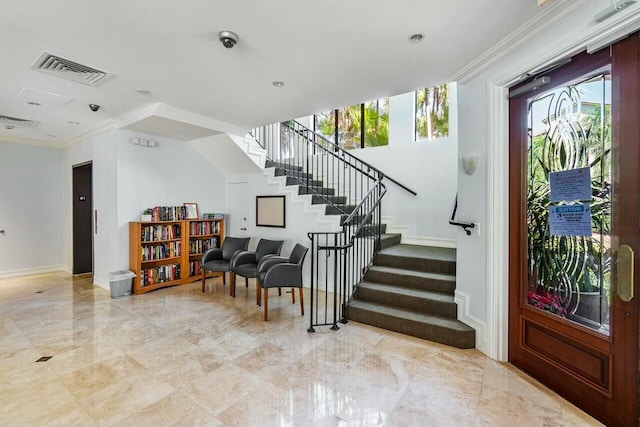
(356, 221)
(317, 200)
(406, 298)
(339, 209)
(304, 181)
(316, 190)
(430, 327)
(388, 240)
(372, 230)
(292, 173)
(435, 282)
(272, 164)
(418, 258)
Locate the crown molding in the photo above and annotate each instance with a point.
(534, 27)
(107, 127)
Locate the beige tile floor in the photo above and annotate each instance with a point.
(179, 357)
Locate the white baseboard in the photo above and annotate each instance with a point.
(32, 271)
(462, 300)
(101, 283)
(429, 241)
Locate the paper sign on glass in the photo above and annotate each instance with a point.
(574, 184)
(570, 220)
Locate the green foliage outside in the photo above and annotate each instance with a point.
(376, 124)
(432, 112)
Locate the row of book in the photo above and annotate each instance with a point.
(204, 227)
(194, 268)
(164, 273)
(197, 246)
(152, 233)
(161, 251)
(169, 213)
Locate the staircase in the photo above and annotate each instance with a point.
(409, 289)
(360, 272)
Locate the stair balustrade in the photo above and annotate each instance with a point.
(348, 187)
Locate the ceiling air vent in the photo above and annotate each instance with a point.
(61, 67)
(7, 120)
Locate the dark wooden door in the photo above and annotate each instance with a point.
(82, 211)
(586, 120)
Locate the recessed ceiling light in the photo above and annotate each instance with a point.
(37, 104)
(9, 127)
(71, 122)
(50, 135)
(143, 91)
(415, 38)
(277, 83)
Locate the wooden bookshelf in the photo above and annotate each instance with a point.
(202, 234)
(168, 253)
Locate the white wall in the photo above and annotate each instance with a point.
(168, 175)
(127, 179)
(428, 167)
(31, 207)
(100, 149)
(299, 221)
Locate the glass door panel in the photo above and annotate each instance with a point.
(568, 201)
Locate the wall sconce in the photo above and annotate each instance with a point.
(469, 162)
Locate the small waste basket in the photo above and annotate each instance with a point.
(120, 283)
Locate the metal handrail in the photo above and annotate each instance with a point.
(466, 226)
(342, 150)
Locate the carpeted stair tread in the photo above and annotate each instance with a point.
(272, 164)
(339, 209)
(422, 301)
(391, 239)
(436, 282)
(293, 173)
(317, 199)
(430, 327)
(417, 251)
(304, 181)
(315, 190)
(416, 293)
(418, 258)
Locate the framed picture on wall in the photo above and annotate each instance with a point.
(192, 210)
(270, 211)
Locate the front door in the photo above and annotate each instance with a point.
(574, 231)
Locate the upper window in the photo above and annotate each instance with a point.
(358, 126)
(432, 112)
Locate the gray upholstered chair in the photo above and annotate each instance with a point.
(245, 263)
(219, 259)
(280, 272)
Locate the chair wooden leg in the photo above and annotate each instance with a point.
(266, 302)
(258, 293)
(204, 278)
(301, 302)
(224, 279)
(246, 282)
(232, 286)
(293, 295)
(279, 292)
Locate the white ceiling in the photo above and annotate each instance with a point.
(328, 53)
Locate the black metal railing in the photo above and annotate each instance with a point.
(350, 188)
